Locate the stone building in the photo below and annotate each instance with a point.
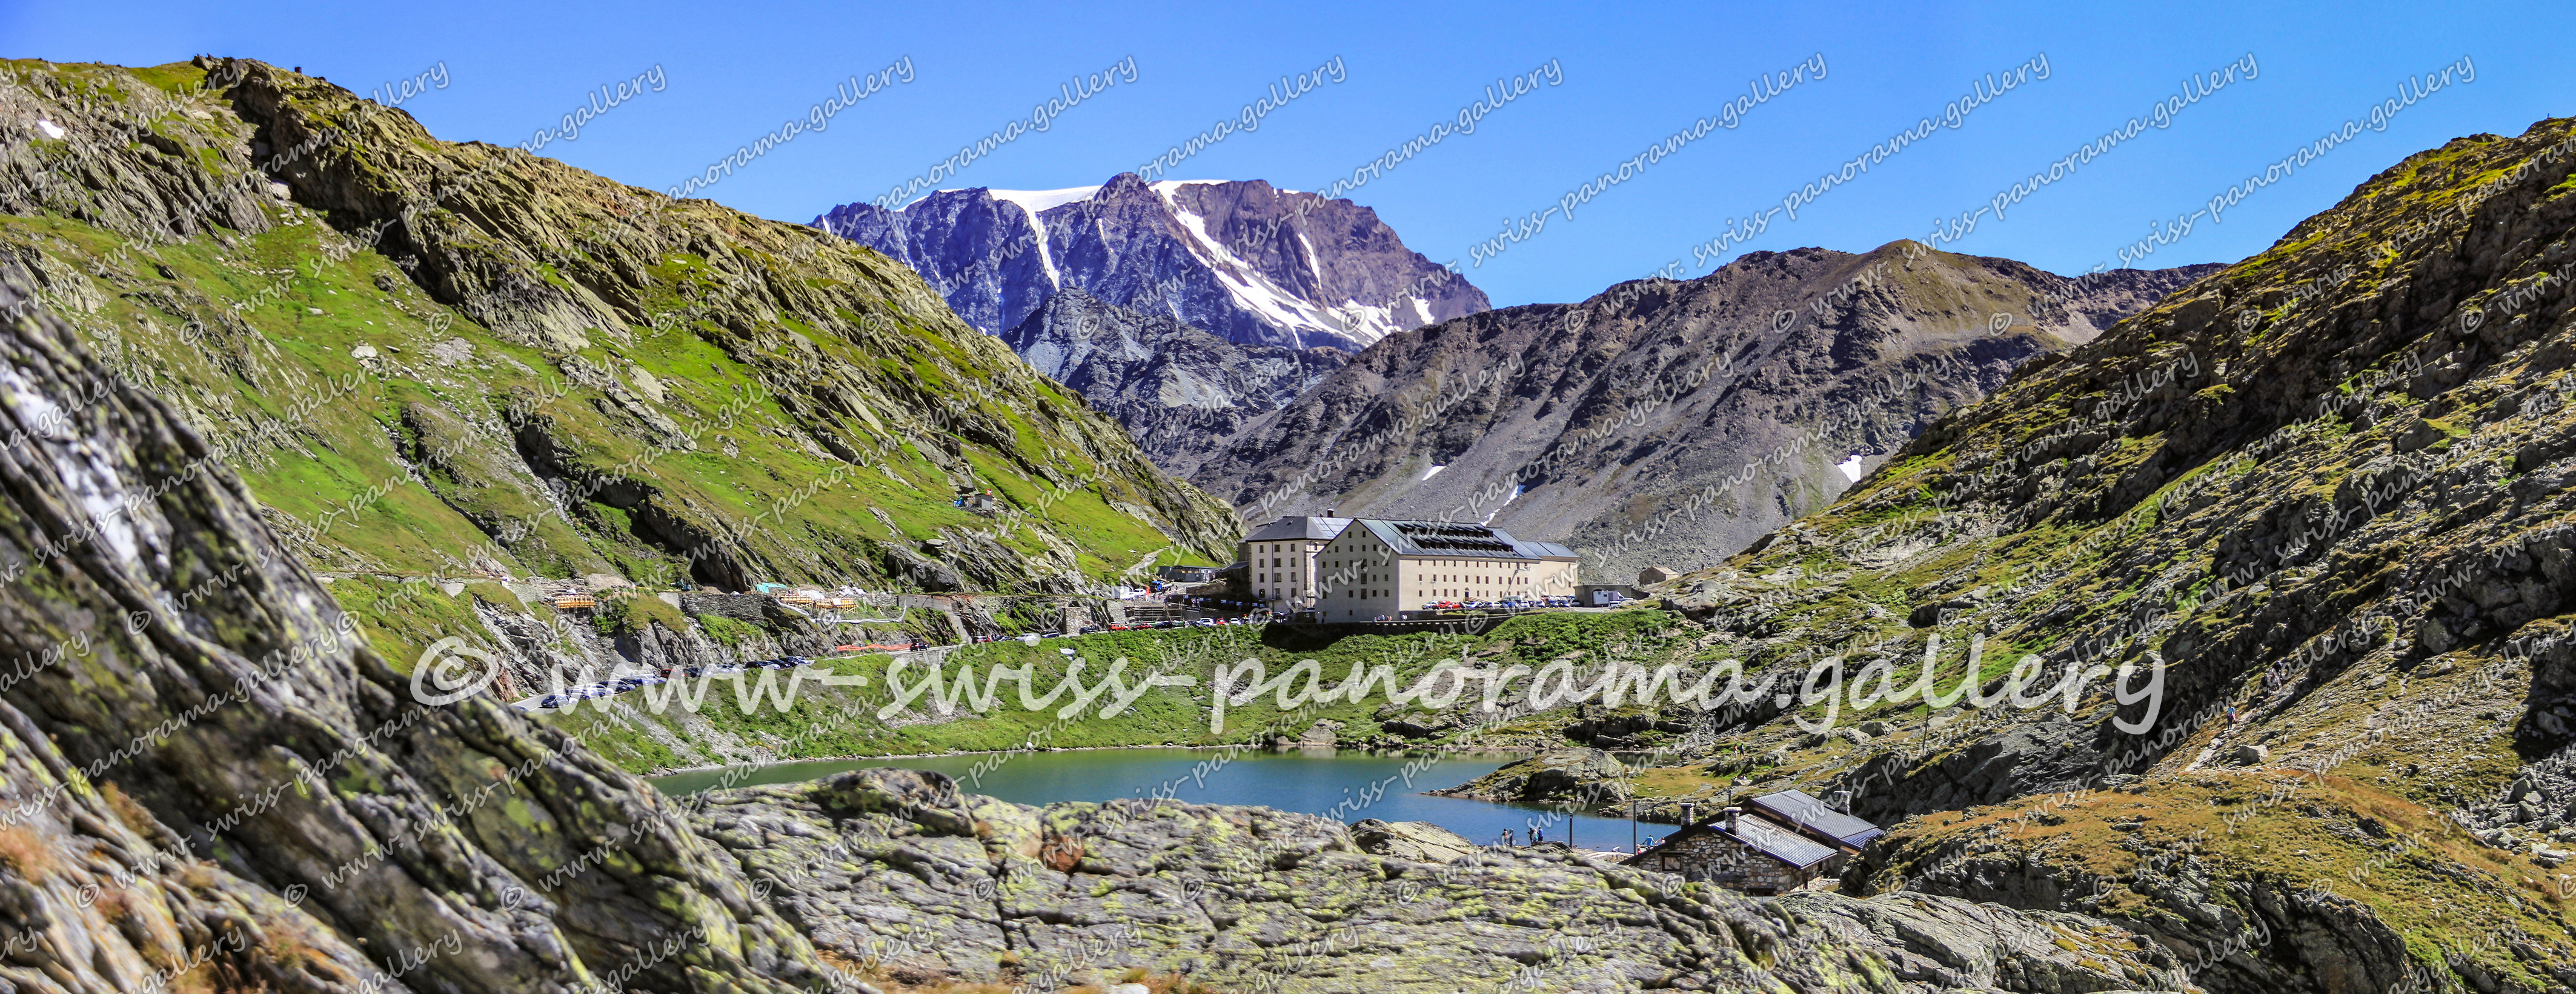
(1387, 568)
(1739, 851)
(1280, 559)
(1356, 569)
(1787, 839)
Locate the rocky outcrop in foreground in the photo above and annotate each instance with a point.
(211, 782)
(897, 869)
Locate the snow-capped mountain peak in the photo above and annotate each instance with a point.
(1238, 258)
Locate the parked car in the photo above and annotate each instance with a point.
(1090, 629)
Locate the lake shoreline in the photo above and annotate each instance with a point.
(1338, 783)
(721, 767)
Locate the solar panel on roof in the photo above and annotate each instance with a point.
(1804, 810)
(1780, 843)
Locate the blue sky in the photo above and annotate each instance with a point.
(1632, 75)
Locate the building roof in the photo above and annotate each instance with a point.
(1288, 529)
(1549, 550)
(1460, 539)
(1778, 841)
(1799, 808)
(1757, 833)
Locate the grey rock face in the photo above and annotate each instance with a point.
(1180, 391)
(1419, 841)
(235, 789)
(1245, 261)
(978, 252)
(898, 869)
(1664, 422)
(1586, 777)
(2203, 921)
(1945, 943)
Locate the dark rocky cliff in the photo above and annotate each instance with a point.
(1182, 392)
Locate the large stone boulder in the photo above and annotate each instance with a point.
(1580, 776)
(1419, 841)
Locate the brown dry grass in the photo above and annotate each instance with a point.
(198, 980)
(27, 852)
(2332, 833)
(128, 811)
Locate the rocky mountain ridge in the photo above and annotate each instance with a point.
(2242, 626)
(462, 382)
(1180, 391)
(1242, 260)
(464, 361)
(1666, 422)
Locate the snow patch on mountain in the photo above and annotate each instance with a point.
(1035, 202)
(1240, 259)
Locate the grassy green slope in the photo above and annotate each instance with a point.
(775, 404)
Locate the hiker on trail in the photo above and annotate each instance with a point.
(1538, 835)
(1507, 836)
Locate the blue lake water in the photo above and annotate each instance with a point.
(1327, 782)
